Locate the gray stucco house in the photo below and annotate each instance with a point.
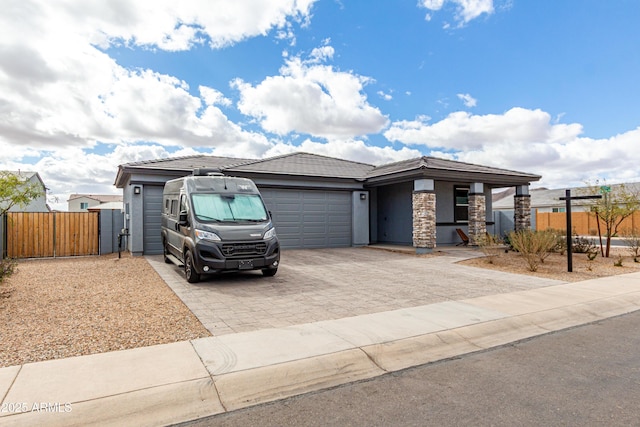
(320, 201)
(38, 204)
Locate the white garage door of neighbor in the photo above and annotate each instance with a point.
(310, 218)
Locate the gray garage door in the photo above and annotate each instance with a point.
(152, 205)
(310, 218)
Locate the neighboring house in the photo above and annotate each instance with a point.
(320, 201)
(83, 202)
(546, 200)
(36, 205)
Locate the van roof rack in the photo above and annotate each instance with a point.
(207, 172)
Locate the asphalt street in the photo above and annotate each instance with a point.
(585, 376)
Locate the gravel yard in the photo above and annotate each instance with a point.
(57, 308)
(555, 265)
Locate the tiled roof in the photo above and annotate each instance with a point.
(314, 165)
(435, 164)
(306, 164)
(188, 163)
(543, 197)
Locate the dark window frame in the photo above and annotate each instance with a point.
(461, 204)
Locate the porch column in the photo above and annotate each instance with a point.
(522, 206)
(477, 213)
(424, 216)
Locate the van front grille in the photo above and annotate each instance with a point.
(243, 249)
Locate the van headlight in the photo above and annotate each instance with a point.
(270, 234)
(207, 235)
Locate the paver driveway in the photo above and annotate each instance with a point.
(324, 284)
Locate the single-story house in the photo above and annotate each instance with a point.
(38, 204)
(318, 201)
(548, 200)
(83, 202)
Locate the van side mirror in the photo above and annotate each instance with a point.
(270, 215)
(183, 219)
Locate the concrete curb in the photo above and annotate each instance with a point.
(177, 382)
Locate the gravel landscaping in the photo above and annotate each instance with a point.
(555, 265)
(57, 308)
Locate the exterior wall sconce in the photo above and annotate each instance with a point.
(136, 189)
(363, 196)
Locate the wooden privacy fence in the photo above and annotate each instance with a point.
(51, 234)
(583, 223)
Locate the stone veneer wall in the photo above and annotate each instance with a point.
(424, 220)
(477, 217)
(522, 216)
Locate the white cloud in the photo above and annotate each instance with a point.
(349, 149)
(467, 100)
(385, 96)
(525, 140)
(466, 10)
(311, 98)
(58, 90)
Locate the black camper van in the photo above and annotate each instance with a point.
(213, 223)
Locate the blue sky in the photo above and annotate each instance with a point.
(547, 87)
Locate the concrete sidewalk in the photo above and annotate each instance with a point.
(171, 383)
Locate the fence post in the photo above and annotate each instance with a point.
(3, 238)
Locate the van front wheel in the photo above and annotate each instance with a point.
(190, 273)
(165, 253)
(269, 272)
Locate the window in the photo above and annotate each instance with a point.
(232, 207)
(174, 207)
(558, 209)
(84, 205)
(461, 201)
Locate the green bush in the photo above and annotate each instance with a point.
(533, 246)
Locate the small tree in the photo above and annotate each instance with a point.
(15, 190)
(615, 205)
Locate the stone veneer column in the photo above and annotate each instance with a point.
(477, 213)
(424, 216)
(522, 205)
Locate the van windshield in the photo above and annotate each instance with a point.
(229, 207)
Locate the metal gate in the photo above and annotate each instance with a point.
(51, 234)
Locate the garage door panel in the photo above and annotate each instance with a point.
(152, 206)
(310, 218)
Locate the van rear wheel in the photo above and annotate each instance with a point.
(190, 273)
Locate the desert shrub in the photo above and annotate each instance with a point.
(491, 245)
(547, 242)
(618, 262)
(561, 240)
(533, 246)
(7, 267)
(582, 245)
(632, 239)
